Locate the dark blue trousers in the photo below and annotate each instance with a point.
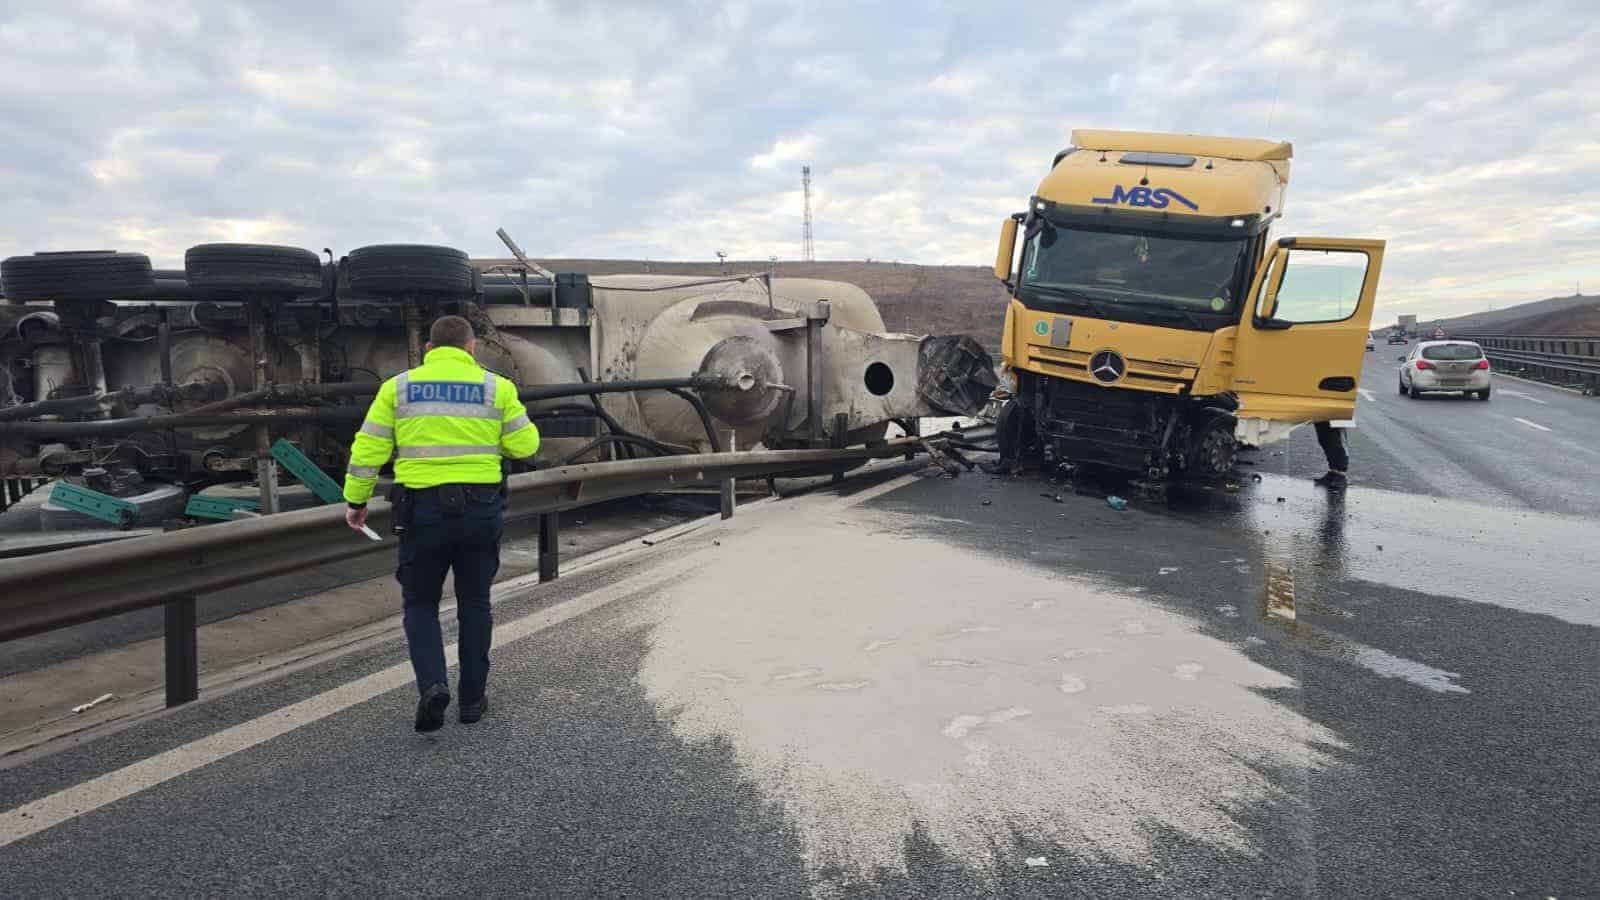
(1333, 447)
(469, 546)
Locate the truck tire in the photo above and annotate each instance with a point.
(1014, 431)
(260, 269)
(79, 275)
(393, 270)
(1215, 449)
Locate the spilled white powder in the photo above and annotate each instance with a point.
(1084, 721)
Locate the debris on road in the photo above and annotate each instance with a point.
(1038, 862)
(85, 707)
(988, 503)
(1116, 502)
(1168, 570)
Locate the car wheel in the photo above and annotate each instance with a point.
(262, 269)
(1484, 394)
(1402, 387)
(1413, 393)
(90, 275)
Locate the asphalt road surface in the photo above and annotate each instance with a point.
(932, 687)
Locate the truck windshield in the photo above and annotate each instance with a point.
(1187, 282)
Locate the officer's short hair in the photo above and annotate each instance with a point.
(450, 331)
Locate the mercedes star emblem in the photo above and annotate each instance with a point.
(1107, 366)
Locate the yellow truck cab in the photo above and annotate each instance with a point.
(1154, 325)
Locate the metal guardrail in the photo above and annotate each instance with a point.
(69, 587)
(1565, 359)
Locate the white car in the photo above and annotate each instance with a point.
(1456, 366)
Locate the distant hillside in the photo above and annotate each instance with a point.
(912, 298)
(1577, 314)
(968, 299)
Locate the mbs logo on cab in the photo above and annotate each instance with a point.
(1152, 198)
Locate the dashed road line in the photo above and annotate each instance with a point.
(1521, 396)
(1532, 424)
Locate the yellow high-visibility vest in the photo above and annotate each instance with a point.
(448, 421)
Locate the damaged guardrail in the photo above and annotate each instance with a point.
(69, 587)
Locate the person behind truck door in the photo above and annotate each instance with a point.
(448, 423)
(1337, 454)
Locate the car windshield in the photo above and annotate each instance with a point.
(1186, 281)
(1452, 351)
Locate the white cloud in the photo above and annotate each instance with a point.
(1463, 132)
(787, 150)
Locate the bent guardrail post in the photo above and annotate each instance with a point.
(549, 547)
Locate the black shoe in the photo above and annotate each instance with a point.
(430, 709)
(1332, 480)
(472, 712)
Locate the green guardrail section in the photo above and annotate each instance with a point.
(90, 502)
(310, 475)
(220, 509)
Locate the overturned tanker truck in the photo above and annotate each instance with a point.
(150, 386)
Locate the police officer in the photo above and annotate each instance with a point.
(448, 423)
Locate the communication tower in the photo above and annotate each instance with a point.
(808, 251)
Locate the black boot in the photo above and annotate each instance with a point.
(1333, 479)
(430, 708)
(472, 712)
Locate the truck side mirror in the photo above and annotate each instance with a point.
(1007, 250)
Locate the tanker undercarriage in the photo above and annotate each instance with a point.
(140, 389)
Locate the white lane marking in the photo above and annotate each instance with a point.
(878, 490)
(1367, 395)
(64, 805)
(1528, 397)
(1532, 424)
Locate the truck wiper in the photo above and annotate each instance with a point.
(1155, 309)
(1082, 300)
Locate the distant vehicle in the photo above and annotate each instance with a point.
(1437, 366)
(1371, 343)
(1396, 337)
(1438, 333)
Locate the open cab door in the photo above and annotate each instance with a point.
(1302, 338)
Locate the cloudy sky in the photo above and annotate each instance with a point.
(1463, 131)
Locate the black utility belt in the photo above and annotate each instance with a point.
(442, 491)
(451, 499)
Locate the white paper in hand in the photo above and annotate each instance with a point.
(367, 530)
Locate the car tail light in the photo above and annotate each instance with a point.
(1482, 364)
(1423, 364)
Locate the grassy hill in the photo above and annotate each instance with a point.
(1577, 314)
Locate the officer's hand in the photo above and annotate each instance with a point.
(355, 517)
